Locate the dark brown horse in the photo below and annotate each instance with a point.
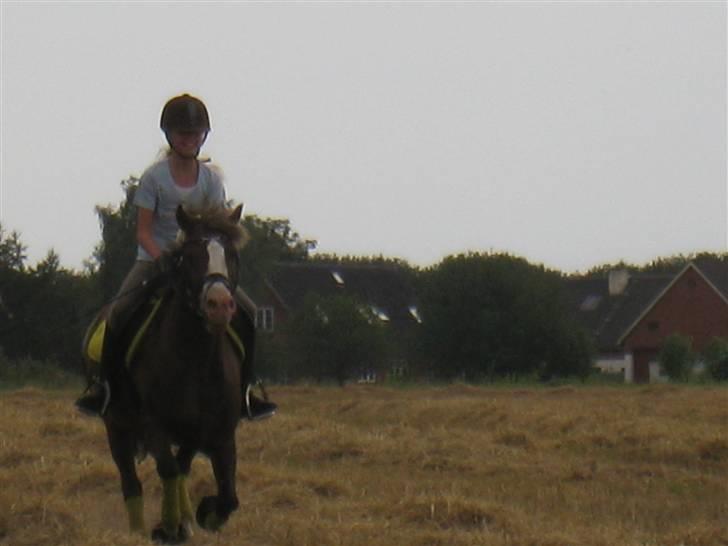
(179, 393)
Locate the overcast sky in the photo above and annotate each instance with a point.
(570, 133)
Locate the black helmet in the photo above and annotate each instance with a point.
(184, 113)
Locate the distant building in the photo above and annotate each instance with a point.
(630, 316)
(385, 288)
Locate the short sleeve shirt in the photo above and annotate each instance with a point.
(158, 192)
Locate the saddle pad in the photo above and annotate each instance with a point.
(96, 342)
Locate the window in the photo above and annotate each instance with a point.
(590, 303)
(338, 279)
(653, 326)
(264, 319)
(415, 314)
(399, 369)
(367, 376)
(380, 314)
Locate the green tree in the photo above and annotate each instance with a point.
(332, 338)
(115, 254)
(676, 357)
(64, 302)
(12, 257)
(497, 315)
(661, 265)
(716, 358)
(12, 251)
(46, 312)
(271, 240)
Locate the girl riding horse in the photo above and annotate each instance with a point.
(179, 387)
(178, 179)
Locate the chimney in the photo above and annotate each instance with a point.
(618, 280)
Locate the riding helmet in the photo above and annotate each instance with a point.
(184, 113)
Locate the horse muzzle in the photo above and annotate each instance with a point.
(217, 304)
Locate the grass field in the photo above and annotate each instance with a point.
(425, 466)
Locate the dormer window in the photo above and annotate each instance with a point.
(338, 279)
(381, 315)
(590, 303)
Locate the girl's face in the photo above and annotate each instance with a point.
(187, 143)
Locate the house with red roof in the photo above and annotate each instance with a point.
(631, 315)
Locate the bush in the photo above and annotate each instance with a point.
(497, 315)
(716, 358)
(331, 338)
(16, 373)
(676, 357)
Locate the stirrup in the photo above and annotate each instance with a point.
(107, 397)
(269, 412)
(106, 394)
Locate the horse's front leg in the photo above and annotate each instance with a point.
(187, 514)
(170, 531)
(122, 443)
(213, 512)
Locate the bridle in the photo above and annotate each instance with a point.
(194, 294)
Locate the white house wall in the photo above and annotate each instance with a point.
(621, 364)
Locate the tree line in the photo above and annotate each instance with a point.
(485, 315)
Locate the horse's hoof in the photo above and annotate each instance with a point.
(160, 536)
(186, 527)
(207, 516)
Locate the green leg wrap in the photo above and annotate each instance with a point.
(185, 505)
(135, 511)
(170, 506)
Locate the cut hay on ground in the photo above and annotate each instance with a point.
(368, 466)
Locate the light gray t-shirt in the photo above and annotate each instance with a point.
(158, 192)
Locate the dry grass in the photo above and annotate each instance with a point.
(456, 466)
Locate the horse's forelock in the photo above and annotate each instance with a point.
(215, 221)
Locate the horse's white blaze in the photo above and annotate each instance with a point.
(216, 264)
(216, 301)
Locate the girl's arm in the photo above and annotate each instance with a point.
(144, 232)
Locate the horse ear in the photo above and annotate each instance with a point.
(236, 214)
(183, 219)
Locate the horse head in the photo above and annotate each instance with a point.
(207, 262)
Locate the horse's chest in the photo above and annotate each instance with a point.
(196, 386)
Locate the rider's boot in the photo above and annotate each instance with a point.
(95, 400)
(254, 408)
